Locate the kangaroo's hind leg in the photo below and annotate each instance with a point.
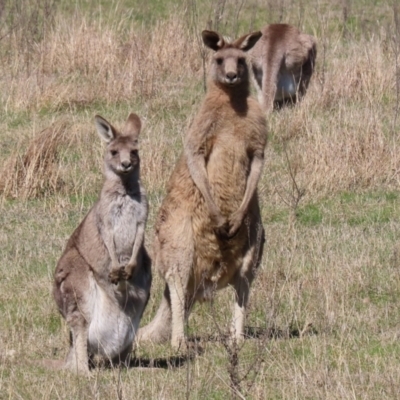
(77, 359)
(177, 258)
(243, 281)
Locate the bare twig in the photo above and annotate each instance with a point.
(218, 13)
(232, 351)
(193, 25)
(239, 9)
(396, 48)
(297, 193)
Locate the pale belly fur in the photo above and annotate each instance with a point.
(124, 223)
(111, 330)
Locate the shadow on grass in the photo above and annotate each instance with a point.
(259, 333)
(253, 332)
(194, 348)
(173, 362)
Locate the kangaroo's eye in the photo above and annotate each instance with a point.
(219, 61)
(134, 153)
(114, 152)
(241, 61)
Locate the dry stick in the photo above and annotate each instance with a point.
(281, 10)
(252, 17)
(11, 30)
(187, 363)
(187, 373)
(396, 45)
(236, 27)
(233, 360)
(297, 194)
(194, 23)
(119, 386)
(345, 15)
(301, 15)
(225, 383)
(259, 357)
(322, 20)
(219, 10)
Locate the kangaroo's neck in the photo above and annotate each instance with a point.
(122, 185)
(236, 95)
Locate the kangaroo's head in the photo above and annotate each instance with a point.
(229, 66)
(122, 155)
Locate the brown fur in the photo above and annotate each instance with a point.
(102, 280)
(281, 57)
(208, 233)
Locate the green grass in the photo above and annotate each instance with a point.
(352, 208)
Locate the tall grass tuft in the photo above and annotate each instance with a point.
(36, 172)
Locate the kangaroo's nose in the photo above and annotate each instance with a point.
(231, 76)
(126, 164)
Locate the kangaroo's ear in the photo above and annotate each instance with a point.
(213, 40)
(132, 125)
(246, 42)
(105, 130)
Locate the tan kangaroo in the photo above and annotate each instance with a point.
(102, 280)
(208, 232)
(283, 62)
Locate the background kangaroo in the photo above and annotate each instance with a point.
(102, 280)
(208, 233)
(282, 61)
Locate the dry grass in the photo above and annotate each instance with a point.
(324, 307)
(82, 61)
(37, 171)
(341, 137)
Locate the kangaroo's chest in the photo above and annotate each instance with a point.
(228, 145)
(228, 162)
(124, 216)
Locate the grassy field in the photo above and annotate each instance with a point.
(324, 314)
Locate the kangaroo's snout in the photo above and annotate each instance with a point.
(126, 165)
(231, 71)
(231, 77)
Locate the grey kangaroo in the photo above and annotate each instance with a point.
(102, 280)
(283, 61)
(209, 232)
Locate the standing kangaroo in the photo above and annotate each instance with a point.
(208, 232)
(102, 280)
(283, 61)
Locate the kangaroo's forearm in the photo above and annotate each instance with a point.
(195, 151)
(252, 181)
(138, 243)
(110, 245)
(198, 173)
